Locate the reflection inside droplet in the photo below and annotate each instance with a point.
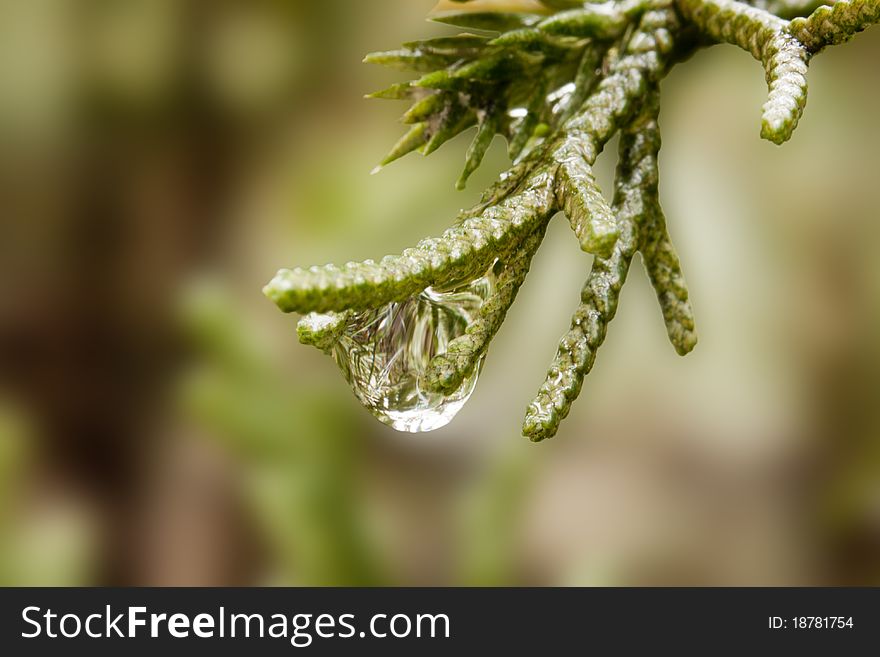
(382, 353)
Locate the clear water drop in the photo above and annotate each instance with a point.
(382, 353)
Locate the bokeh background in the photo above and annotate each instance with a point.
(160, 424)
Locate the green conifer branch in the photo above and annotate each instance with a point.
(783, 47)
(644, 61)
(766, 37)
(659, 255)
(828, 26)
(636, 178)
(463, 354)
(587, 210)
(462, 252)
(663, 267)
(558, 84)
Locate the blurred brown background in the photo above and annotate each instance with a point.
(159, 423)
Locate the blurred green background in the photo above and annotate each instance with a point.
(159, 423)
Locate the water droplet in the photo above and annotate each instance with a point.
(382, 353)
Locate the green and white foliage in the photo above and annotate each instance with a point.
(558, 85)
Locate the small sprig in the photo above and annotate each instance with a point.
(766, 37)
(659, 255)
(783, 47)
(587, 210)
(460, 254)
(463, 354)
(577, 349)
(558, 83)
(829, 26)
